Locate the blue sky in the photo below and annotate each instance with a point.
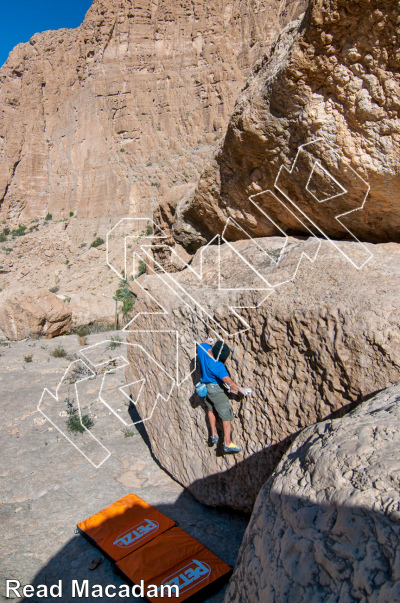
(20, 19)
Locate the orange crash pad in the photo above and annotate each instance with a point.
(174, 557)
(124, 526)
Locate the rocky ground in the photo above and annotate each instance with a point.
(69, 258)
(47, 486)
(56, 254)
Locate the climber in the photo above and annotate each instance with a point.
(214, 375)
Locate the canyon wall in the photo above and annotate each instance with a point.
(332, 76)
(104, 119)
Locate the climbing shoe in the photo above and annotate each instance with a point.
(214, 440)
(231, 449)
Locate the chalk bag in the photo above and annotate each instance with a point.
(201, 389)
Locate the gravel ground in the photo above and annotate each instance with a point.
(48, 486)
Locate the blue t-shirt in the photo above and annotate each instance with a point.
(211, 370)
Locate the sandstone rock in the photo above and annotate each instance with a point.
(326, 525)
(39, 312)
(165, 217)
(103, 119)
(86, 308)
(317, 345)
(332, 76)
(136, 286)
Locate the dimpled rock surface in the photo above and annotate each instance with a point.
(333, 74)
(318, 344)
(102, 119)
(326, 525)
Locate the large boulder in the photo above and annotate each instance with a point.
(333, 76)
(87, 308)
(317, 345)
(36, 313)
(326, 525)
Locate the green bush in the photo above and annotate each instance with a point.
(97, 242)
(58, 352)
(2, 237)
(74, 425)
(127, 305)
(19, 232)
(98, 327)
(71, 213)
(95, 327)
(125, 295)
(6, 231)
(54, 289)
(123, 292)
(141, 268)
(128, 433)
(48, 217)
(115, 342)
(81, 331)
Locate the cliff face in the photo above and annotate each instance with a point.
(101, 120)
(333, 75)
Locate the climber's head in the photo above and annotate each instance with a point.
(220, 351)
